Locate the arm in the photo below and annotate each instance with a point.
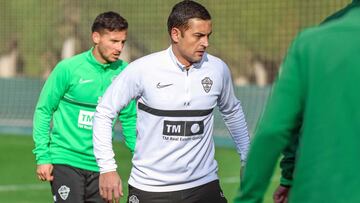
(233, 116)
(51, 94)
(287, 165)
(128, 122)
(288, 162)
(116, 97)
(281, 120)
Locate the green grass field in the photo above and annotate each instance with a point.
(18, 183)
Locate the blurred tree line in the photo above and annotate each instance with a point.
(246, 33)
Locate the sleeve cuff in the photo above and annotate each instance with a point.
(108, 167)
(43, 161)
(106, 171)
(285, 182)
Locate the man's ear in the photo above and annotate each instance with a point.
(175, 34)
(95, 37)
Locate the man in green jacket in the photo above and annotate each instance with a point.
(316, 98)
(64, 154)
(287, 164)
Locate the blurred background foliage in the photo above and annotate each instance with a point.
(244, 31)
(251, 36)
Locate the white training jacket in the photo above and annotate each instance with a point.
(174, 146)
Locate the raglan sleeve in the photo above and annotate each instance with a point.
(233, 115)
(128, 122)
(53, 90)
(119, 94)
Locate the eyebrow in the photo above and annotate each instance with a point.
(201, 33)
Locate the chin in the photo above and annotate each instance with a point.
(197, 59)
(112, 60)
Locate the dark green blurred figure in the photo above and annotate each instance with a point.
(287, 163)
(316, 101)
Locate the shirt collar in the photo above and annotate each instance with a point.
(95, 62)
(179, 64)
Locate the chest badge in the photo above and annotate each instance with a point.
(207, 84)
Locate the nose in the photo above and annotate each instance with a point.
(205, 42)
(119, 47)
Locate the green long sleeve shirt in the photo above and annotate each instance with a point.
(68, 99)
(287, 163)
(317, 92)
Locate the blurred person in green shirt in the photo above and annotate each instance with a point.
(64, 153)
(314, 100)
(287, 164)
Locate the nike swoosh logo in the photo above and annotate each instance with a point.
(162, 86)
(82, 81)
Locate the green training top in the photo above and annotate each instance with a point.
(316, 96)
(288, 162)
(69, 98)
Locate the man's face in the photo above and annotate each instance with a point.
(108, 45)
(189, 45)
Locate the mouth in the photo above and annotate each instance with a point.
(116, 55)
(200, 52)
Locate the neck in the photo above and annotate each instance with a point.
(98, 56)
(180, 58)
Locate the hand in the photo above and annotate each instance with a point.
(281, 194)
(44, 172)
(110, 186)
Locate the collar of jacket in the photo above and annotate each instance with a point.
(91, 58)
(180, 65)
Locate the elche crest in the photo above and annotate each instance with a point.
(207, 84)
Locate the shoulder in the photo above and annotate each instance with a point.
(214, 59)
(72, 62)
(152, 58)
(215, 62)
(148, 61)
(320, 35)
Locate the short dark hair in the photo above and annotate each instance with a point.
(185, 10)
(111, 21)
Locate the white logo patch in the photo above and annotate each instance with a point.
(85, 119)
(64, 192)
(133, 199)
(82, 81)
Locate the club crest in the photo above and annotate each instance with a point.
(64, 192)
(133, 199)
(207, 84)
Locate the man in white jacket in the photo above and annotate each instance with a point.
(177, 90)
